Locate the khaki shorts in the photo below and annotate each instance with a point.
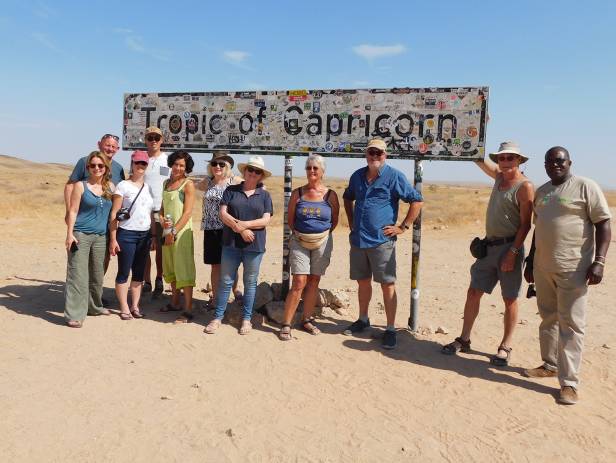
(310, 262)
(378, 263)
(486, 272)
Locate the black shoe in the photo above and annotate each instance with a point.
(158, 287)
(147, 287)
(356, 327)
(389, 339)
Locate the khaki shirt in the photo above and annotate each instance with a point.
(564, 216)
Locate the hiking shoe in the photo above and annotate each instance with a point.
(158, 287)
(540, 372)
(568, 395)
(389, 339)
(147, 287)
(356, 327)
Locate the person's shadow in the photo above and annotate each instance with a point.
(44, 300)
(427, 353)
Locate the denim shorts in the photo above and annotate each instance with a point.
(378, 263)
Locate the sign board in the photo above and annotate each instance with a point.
(418, 123)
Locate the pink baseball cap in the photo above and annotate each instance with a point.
(140, 156)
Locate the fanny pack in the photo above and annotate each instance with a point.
(479, 246)
(311, 241)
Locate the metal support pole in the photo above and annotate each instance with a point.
(288, 186)
(412, 323)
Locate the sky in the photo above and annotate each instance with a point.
(550, 67)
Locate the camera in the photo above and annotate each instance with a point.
(123, 214)
(531, 292)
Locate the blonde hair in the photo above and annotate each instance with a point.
(107, 193)
(226, 172)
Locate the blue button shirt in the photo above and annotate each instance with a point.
(376, 204)
(80, 172)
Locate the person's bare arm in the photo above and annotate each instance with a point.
(335, 204)
(189, 201)
(116, 204)
(74, 201)
(291, 209)
(411, 215)
(348, 210)
(68, 191)
(490, 168)
(603, 236)
(525, 197)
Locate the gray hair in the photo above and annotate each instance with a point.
(316, 159)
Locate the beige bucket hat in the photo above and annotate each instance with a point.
(509, 147)
(257, 163)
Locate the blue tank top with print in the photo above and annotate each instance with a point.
(93, 215)
(313, 216)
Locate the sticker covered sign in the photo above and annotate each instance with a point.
(436, 123)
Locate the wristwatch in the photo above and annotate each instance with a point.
(404, 225)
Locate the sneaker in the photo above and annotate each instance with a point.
(389, 339)
(568, 395)
(356, 327)
(147, 287)
(540, 372)
(158, 287)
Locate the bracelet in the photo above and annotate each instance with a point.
(515, 251)
(602, 264)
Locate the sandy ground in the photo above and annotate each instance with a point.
(148, 390)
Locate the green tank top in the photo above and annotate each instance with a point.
(503, 214)
(173, 204)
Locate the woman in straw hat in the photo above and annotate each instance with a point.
(245, 210)
(313, 215)
(219, 177)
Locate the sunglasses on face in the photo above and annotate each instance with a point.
(141, 163)
(509, 158)
(218, 164)
(375, 153)
(557, 161)
(97, 166)
(109, 135)
(312, 168)
(253, 170)
(153, 138)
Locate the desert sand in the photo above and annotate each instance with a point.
(149, 390)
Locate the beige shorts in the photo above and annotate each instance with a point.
(486, 272)
(310, 262)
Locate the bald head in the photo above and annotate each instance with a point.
(555, 150)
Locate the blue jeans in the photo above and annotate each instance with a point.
(230, 262)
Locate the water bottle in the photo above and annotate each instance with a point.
(167, 230)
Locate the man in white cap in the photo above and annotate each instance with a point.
(371, 204)
(572, 236)
(508, 221)
(155, 175)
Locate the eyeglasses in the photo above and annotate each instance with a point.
(153, 138)
(97, 166)
(141, 163)
(253, 170)
(312, 167)
(221, 164)
(376, 153)
(109, 135)
(511, 157)
(557, 161)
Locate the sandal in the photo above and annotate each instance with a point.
(285, 333)
(501, 361)
(136, 314)
(309, 327)
(74, 324)
(458, 345)
(170, 308)
(238, 296)
(246, 327)
(125, 316)
(185, 317)
(212, 326)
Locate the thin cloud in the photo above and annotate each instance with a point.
(42, 10)
(136, 44)
(46, 42)
(237, 58)
(371, 52)
(122, 30)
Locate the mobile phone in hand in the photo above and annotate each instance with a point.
(74, 247)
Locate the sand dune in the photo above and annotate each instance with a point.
(148, 390)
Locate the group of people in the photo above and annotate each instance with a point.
(108, 215)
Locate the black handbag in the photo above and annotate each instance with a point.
(124, 212)
(479, 248)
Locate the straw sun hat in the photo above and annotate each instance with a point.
(257, 163)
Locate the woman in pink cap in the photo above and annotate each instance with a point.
(131, 234)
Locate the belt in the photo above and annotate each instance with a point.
(499, 241)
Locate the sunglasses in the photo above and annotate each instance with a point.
(511, 157)
(97, 166)
(221, 164)
(153, 138)
(557, 161)
(109, 135)
(312, 168)
(252, 170)
(375, 153)
(141, 163)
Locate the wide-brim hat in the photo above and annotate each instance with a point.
(509, 147)
(222, 156)
(256, 162)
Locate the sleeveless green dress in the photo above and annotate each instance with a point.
(179, 258)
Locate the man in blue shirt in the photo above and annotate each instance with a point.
(371, 205)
